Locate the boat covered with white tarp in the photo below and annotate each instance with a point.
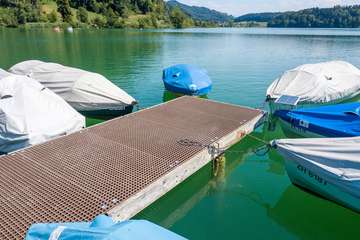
(89, 93)
(320, 83)
(327, 166)
(31, 114)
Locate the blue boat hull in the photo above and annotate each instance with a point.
(102, 228)
(199, 92)
(187, 79)
(341, 120)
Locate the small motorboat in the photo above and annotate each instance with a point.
(314, 85)
(70, 29)
(329, 167)
(101, 228)
(89, 93)
(341, 120)
(31, 114)
(187, 79)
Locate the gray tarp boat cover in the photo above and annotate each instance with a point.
(337, 159)
(318, 83)
(32, 114)
(85, 91)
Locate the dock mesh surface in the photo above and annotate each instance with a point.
(77, 177)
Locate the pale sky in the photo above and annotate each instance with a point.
(239, 7)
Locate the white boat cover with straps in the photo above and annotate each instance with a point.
(85, 91)
(318, 83)
(335, 159)
(32, 114)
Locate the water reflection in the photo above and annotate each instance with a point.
(210, 180)
(308, 218)
(168, 96)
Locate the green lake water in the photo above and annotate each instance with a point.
(251, 196)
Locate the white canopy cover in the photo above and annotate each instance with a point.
(32, 114)
(85, 91)
(318, 83)
(337, 159)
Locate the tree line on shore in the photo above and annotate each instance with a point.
(161, 14)
(109, 13)
(335, 17)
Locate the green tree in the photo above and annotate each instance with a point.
(111, 17)
(8, 17)
(99, 22)
(82, 15)
(53, 16)
(65, 10)
(93, 6)
(119, 23)
(178, 18)
(21, 15)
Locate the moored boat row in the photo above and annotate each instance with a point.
(315, 85)
(32, 114)
(89, 93)
(40, 101)
(326, 158)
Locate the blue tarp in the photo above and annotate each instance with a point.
(342, 120)
(187, 79)
(100, 229)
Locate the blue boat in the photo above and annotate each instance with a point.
(187, 79)
(102, 228)
(342, 120)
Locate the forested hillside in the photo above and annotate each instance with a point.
(201, 13)
(109, 13)
(257, 17)
(336, 17)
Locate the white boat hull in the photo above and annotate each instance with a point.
(315, 182)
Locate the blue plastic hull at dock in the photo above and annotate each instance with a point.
(340, 120)
(101, 228)
(177, 90)
(187, 79)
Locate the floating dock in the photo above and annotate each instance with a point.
(118, 167)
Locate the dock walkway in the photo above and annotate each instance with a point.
(118, 167)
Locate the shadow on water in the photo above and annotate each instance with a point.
(311, 218)
(93, 121)
(208, 180)
(168, 96)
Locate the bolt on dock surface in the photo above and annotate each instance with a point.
(118, 167)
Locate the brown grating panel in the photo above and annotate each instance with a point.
(76, 177)
(30, 193)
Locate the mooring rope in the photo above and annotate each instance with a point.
(260, 151)
(258, 139)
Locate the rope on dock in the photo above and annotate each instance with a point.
(260, 151)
